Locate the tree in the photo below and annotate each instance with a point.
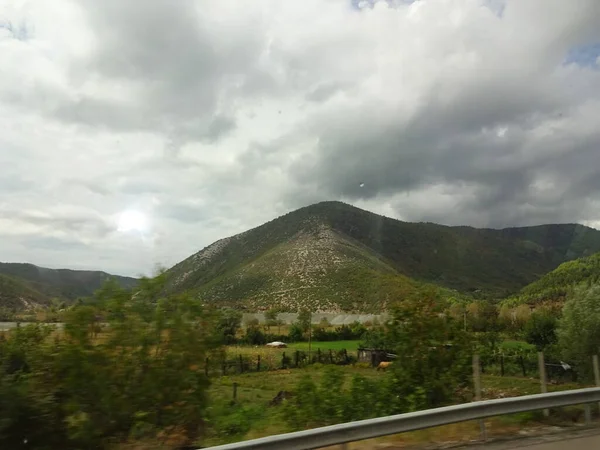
(482, 316)
(254, 336)
(295, 333)
(435, 353)
(253, 322)
(324, 323)
(434, 360)
(521, 315)
(540, 329)
(144, 378)
(304, 319)
(271, 318)
(578, 329)
(229, 323)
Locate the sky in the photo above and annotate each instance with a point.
(135, 133)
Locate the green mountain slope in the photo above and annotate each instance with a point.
(62, 284)
(555, 285)
(17, 294)
(333, 255)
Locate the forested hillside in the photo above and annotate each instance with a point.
(334, 256)
(555, 285)
(23, 286)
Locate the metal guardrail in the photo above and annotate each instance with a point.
(383, 426)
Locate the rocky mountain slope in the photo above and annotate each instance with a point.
(333, 256)
(17, 295)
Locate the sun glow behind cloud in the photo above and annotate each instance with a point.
(132, 221)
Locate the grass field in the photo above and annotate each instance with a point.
(512, 345)
(350, 346)
(251, 417)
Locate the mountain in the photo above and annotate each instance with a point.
(17, 294)
(333, 256)
(26, 285)
(555, 285)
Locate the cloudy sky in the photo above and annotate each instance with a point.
(134, 133)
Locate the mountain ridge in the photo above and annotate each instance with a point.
(25, 285)
(247, 270)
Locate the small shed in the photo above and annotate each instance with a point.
(375, 355)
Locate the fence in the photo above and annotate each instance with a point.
(292, 359)
(383, 426)
(526, 365)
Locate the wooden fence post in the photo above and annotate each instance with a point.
(241, 363)
(596, 374)
(258, 363)
(235, 386)
(206, 366)
(501, 365)
(522, 362)
(345, 356)
(330, 357)
(283, 360)
(477, 386)
(543, 381)
(318, 355)
(297, 358)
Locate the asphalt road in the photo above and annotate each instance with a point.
(583, 440)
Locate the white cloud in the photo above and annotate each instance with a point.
(211, 117)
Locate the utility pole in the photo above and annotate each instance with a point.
(309, 333)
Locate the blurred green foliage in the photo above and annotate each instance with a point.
(126, 367)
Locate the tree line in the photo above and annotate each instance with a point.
(129, 367)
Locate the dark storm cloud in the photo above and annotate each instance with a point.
(199, 119)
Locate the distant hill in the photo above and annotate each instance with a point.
(25, 285)
(333, 256)
(17, 294)
(555, 285)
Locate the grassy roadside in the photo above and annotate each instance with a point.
(252, 417)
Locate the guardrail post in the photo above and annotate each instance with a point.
(477, 386)
(543, 385)
(588, 413)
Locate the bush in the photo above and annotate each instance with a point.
(143, 378)
(295, 333)
(540, 330)
(578, 329)
(254, 336)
